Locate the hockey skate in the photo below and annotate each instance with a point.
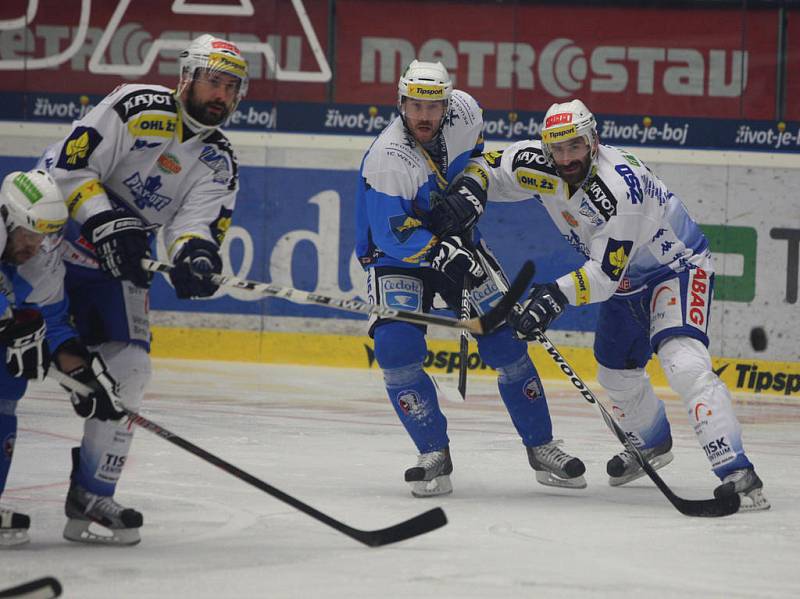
(556, 468)
(624, 467)
(431, 475)
(13, 528)
(748, 485)
(121, 524)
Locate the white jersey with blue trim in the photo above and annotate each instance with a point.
(624, 220)
(399, 180)
(38, 283)
(134, 152)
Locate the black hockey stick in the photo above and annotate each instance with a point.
(477, 326)
(425, 522)
(463, 348)
(41, 588)
(710, 508)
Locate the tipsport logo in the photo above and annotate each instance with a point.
(447, 361)
(749, 377)
(370, 121)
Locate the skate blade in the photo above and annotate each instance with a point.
(549, 479)
(440, 485)
(754, 501)
(656, 462)
(78, 531)
(11, 537)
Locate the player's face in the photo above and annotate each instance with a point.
(573, 159)
(423, 118)
(211, 96)
(22, 245)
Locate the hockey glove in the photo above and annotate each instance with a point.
(27, 353)
(196, 258)
(104, 402)
(545, 304)
(455, 261)
(121, 243)
(459, 210)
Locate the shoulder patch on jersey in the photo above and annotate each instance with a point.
(221, 225)
(615, 258)
(142, 100)
(536, 181)
(632, 181)
(602, 198)
(220, 158)
(78, 147)
(493, 158)
(403, 226)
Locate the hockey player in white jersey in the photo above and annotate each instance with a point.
(144, 158)
(649, 264)
(34, 320)
(412, 223)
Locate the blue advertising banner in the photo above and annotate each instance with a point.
(361, 119)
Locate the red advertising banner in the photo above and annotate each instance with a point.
(89, 47)
(793, 66)
(618, 60)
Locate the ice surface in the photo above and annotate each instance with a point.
(330, 438)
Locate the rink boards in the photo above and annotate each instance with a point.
(294, 226)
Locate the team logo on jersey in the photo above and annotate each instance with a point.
(145, 194)
(169, 163)
(533, 181)
(616, 258)
(601, 197)
(571, 221)
(78, 147)
(218, 163)
(401, 293)
(403, 226)
(493, 158)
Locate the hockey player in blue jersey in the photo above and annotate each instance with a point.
(34, 319)
(413, 222)
(649, 264)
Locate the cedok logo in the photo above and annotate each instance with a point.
(401, 293)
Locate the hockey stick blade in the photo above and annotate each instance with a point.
(41, 588)
(425, 522)
(478, 326)
(704, 508)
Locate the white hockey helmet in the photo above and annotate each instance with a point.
(216, 55)
(425, 81)
(32, 201)
(567, 121)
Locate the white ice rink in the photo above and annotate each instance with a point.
(330, 438)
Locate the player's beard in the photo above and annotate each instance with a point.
(575, 176)
(203, 111)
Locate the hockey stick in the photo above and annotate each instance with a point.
(463, 348)
(425, 522)
(41, 588)
(710, 508)
(477, 326)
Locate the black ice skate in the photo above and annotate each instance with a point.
(83, 508)
(748, 485)
(556, 468)
(13, 528)
(431, 475)
(623, 467)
